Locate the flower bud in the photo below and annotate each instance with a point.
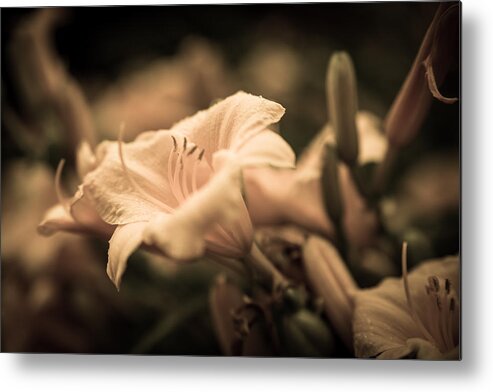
(306, 335)
(332, 281)
(342, 96)
(410, 107)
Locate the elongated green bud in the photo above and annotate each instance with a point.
(342, 96)
(306, 335)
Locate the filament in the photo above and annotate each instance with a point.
(62, 198)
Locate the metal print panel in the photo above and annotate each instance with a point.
(240, 180)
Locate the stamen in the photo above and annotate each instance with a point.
(184, 144)
(195, 168)
(194, 175)
(192, 150)
(184, 182)
(414, 315)
(440, 312)
(62, 198)
(193, 172)
(439, 303)
(450, 320)
(450, 324)
(134, 183)
(170, 170)
(434, 282)
(176, 185)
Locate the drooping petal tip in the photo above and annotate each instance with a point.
(125, 240)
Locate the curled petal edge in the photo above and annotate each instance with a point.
(432, 84)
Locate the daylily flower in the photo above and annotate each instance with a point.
(179, 191)
(416, 316)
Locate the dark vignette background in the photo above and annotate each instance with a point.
(382, 39)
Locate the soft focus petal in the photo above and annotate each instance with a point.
(84, 213)
(267, 148)
(230, 123)
(381, 320)
(58, 219)
(79, 216)
(420, 349)
(398, 352)
(125, 240)
(276, 196)
(372, 140)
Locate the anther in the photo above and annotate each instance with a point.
(175, 145)
(447, 286)
(439, 303)
(434, 282)
(201, 155)
(184, 143)
(452, 304)
(192, 150)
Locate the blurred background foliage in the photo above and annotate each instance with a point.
(152, 65)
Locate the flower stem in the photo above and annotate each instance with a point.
(264, 269)
(230, 264)
(384, 170)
